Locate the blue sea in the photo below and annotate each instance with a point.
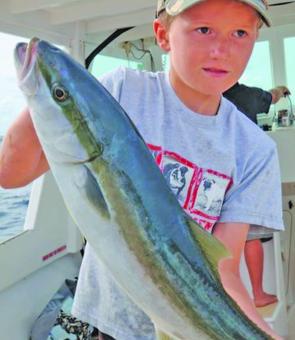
(14, 203)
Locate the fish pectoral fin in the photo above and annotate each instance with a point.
(213, 249)
(163, 336)
(90, 189)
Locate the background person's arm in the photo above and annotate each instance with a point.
(21, 157)
(279, 92)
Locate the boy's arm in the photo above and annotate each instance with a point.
(21, 156)
(233, 236)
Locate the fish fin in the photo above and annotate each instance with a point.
(213, 249)
(160, 335)
(94, 194)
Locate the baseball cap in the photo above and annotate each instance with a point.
(175, 7)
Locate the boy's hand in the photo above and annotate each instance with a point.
(233, 236)
(21, 156)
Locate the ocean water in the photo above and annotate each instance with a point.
(14, 204)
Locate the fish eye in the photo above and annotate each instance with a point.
(59, 93)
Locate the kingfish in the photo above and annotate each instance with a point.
(118, 197)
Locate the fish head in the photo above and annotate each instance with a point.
(58, 92)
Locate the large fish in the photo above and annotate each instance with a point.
(112, 187)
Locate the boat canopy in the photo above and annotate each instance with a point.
(91, 21)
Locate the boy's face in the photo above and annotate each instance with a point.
(209, 44)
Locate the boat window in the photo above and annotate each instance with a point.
(14, 202)
(102, 64)
(165, 62)
(258, 71)
(289, 47)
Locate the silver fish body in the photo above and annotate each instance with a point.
(112, 187)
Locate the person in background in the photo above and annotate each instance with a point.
(186, 122)
(251, 101)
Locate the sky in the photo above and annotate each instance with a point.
(8, 43)
(11, 99)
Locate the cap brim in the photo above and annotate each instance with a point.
(261, 8)
(176, 7)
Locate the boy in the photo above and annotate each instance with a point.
(186, 122)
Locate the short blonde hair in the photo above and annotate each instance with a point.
(166, 19)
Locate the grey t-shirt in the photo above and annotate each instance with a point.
(221, 168)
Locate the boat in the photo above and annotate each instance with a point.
(35, 262)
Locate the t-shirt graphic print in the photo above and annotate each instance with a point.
(199, 191)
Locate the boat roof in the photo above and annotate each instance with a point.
(63, 20)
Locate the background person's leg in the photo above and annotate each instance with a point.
(254, 257)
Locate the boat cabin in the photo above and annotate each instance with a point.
(43, 247)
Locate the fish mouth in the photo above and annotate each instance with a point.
(25, 56)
